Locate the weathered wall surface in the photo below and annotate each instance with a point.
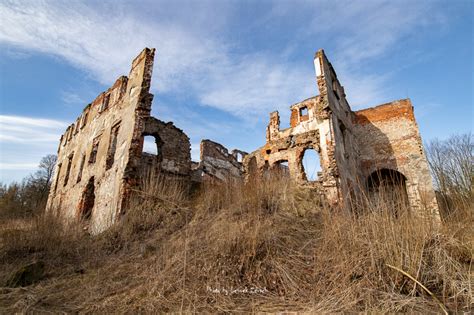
(173, 148)
(351, 145)
(388, 138)
(217, 163)
(100, 155)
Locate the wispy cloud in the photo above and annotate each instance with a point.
(24, 140)
(22, 129)
(196, 56)
(71, 98)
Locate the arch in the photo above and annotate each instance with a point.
(152, 144)
(388, 183)
(87, 201)
(310, 164)
(281, 168)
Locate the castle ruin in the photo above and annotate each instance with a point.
(358, 150)
(101, 158)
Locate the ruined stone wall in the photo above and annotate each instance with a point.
(217, 163)
(342, 148)
(315, 123)
(100, 155)
(173, 149)
(388, 138)
(351, 145)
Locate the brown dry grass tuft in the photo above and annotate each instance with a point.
(264, 246)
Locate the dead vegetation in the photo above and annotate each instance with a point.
(264, 246)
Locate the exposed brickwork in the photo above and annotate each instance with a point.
(100, 155)
(217, 163)
(351, 145)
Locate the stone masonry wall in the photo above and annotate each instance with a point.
(351, 145)
(388, 138)
(217, 163)
(100, 155)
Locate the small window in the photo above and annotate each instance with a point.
(57, 177)
(268, 151)
(239, 157)
(84, 119)
(81, 167)
(86, 204)
(304, 111)
(112, 146)
(281, 168)
(68, 170)
(95, 148)
(105, 102)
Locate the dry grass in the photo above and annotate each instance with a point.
(265, 246)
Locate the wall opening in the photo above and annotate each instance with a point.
(388, 185)
(68, 169)
(105, 103)
(112, 146)
(57, 177)
(81, 168)
(281, 168)
(311, 165)
(239, 157)
(152, 145)
(87, 201)
(95, 148)
(303, 111)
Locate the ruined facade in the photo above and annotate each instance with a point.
(101, 159)
(357, 150)
(217, 163)
(100, 155)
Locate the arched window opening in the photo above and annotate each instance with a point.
(281, 168)
(152, 145)
(87, 201)
(388, 185)
(311, 165)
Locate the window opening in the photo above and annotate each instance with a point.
(304, 111)
(68, 169)
(105, 102)
(311, 164)
(112, 146)
(87, 200)
(281, 168)
(81, 167)
(95, 148)
(57, 177)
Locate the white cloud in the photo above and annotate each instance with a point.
(194, 55)
(18, 166)
(22, 129)
(24, 141)
(103, 41)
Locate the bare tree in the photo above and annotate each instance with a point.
(452, 165)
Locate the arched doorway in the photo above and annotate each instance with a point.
(388, 186)
(281, 169)
(310, 165)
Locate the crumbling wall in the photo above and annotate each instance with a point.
(173, 149)
(388, 138)
(217, 163)
(315, 123)
(351, 145)
(100, 155)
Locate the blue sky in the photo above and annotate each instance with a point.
(222, 66)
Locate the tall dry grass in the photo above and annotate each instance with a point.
(262, 246)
